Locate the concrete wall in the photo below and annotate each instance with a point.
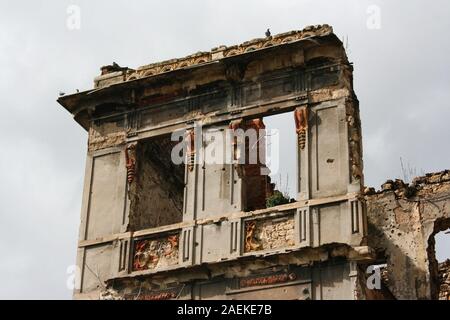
(103, 213)
(402, 222)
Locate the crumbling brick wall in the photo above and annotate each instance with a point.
(266, 234)
(402, 222)
(444, 280)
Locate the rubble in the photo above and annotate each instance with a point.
(402, 222)
(444, 280)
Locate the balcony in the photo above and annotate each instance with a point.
(279, 230)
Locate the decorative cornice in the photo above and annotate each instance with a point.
(224, 52)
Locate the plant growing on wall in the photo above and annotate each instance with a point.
(276, 199)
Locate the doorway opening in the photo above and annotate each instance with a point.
(281, 157)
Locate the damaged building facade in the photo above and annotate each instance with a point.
(155, 229)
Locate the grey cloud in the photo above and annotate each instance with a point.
(401, 79)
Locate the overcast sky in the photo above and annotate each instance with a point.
(402, 79)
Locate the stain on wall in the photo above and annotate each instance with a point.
(105, 135)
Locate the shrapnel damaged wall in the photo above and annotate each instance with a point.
(402, 221)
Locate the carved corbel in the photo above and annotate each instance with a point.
(257, 124)
(233, 126)
(130, 157)
(190, 143)
(301, 125)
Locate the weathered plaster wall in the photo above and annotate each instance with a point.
(402, 222)
(105, 135)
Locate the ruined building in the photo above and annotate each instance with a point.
(155, 229)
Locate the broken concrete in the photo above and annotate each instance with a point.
(402, 221)
(444, 280)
